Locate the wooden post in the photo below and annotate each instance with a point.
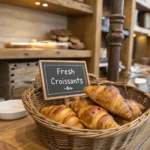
(115, 37)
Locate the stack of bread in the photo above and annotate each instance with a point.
(104, 108)
(63, 35)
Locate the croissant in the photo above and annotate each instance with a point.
(62, 114)
(79, 102)
(109, 98)
(136, 109)
(95, 117)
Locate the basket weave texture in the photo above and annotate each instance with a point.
(61, 137)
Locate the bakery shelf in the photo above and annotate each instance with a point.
(26, 53)
(143, 6)
(106, 29)
(62, 7)
(141, 30)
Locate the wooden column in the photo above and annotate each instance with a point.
(127, 47)
(115, 37)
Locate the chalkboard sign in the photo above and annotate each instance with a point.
(61, 79)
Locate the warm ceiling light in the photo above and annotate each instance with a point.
(37, 3)
(134, 35)
(45, 5)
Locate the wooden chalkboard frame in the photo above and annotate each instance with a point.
(43, 82)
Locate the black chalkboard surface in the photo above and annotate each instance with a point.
(61, 79)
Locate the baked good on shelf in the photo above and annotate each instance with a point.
(43, 45)
(33, 41)
(74, 40)
(61, 32)
(69, 44)
(109, 98)
(95, 117)
(47, 41)
(63, 35)
(62, 114)
(79, 102)
(79, 46)
(53, 37)
(63, 38)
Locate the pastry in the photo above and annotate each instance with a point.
(95, 117)
(63, 39)
(62, 114)
(70, 44)
(33, 41)
(109, 98)
(78, 46)
(61, 32)
(74, 40)
(53, 37)
(79, 102)
(135, 107)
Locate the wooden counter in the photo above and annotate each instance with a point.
(23, 135)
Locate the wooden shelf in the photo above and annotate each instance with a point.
(141, 30)
(106, 29)
(12, 53)
(62, 7)
(143, 6)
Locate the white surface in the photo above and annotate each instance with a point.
(137, 69)
(103, 65)
(140, 80)
(12, 109)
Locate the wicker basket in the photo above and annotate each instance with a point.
(61, 137)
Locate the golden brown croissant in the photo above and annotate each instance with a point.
(79, 102)
(109, 98)
(95, 117)
(135, 108)
(62, 114)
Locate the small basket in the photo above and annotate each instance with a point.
(61, 137)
